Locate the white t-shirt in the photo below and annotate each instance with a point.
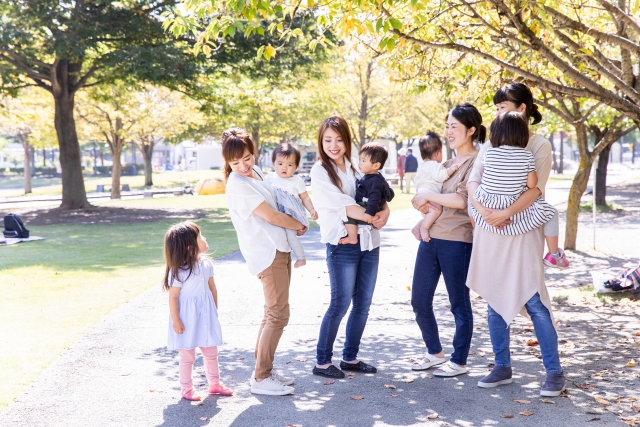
(430, 177)
(258, 240)
(294, 185)
(331, 205)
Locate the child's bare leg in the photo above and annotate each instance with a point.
(352, 235)
(428, 221)
(416, 230)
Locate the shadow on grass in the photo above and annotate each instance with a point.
(107, 247)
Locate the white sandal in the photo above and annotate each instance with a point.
(426, 363)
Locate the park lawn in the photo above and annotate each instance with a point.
(54, 291)
(52, 186)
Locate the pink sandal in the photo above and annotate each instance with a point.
(220, 389)
(191, 395)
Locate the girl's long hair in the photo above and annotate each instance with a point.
(180, 251)
(341, 127)
(234, 142)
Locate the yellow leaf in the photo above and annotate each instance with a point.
(525, 402)
(526, 413)
(631, 363)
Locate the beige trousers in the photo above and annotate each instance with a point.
(275, 282)
(408, 176)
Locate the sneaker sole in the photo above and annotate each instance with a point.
(496, 384)
(548, 264)
(429, 365)
(451, 374)
(288, 383)
(272, 392)
(549, 393)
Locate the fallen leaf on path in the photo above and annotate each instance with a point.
(525, 402)
(240, 358)
(287, 362)
(548, 401)
(124, 375)
(507, 416)
(638, 334)
(585, 386)
(532, 342)
(392, 395)
(433, 416)
(407, 380)
(635, 408)
(390, 386)
(564, 394)
(351, 374)
(199, 403)
(594, 419)
(408, 287)
(203, 418)
(601, 401)
(151, 391)
(357, 397)
(526, 413)
(329, 382)
(631, 363)
(428, 376)
(594, 411)
(301, 359)
(627, 399)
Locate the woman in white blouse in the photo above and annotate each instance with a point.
(353, 268)
(263, 243)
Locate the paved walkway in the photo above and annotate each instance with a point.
(120, 373)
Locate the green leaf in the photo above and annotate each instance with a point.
(379, 23)
(395, 23)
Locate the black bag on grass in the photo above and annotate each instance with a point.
(14, 227)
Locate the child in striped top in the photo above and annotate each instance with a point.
(509, 170)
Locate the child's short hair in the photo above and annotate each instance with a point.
(511, 129)
(377, 153)
(286, 150)
(180, 251)
(429, 145)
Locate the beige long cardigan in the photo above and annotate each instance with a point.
(508, 270)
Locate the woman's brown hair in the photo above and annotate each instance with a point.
(341, 127)
(180, 251)
(234, 142)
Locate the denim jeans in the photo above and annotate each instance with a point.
(352, 275)
(451, 259)
(545, 332)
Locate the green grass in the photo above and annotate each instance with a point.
(52, 186)
(54, 291)
(589, 294)
(609, 207)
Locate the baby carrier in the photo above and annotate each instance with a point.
(14, 227)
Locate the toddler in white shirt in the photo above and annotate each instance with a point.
(291, 194)
(430, 176)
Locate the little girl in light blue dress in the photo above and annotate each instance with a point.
(193, 320)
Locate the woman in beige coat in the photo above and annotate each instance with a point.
(507, 270)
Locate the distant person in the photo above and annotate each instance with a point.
(372, 190)
(402, 156)
(193, 306)
(291, 194)
(429, 178)
(410, 168)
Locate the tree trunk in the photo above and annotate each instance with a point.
(255, 135)
(578, 187)
(116, 171)
(601, 176)
(28, 154)
(74, 195)
(146, 148)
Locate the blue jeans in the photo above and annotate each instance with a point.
(545, 332)
(451, 259)
(352, 275)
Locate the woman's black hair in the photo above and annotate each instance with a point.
(519, 94)
(510, 128)
(470, 117)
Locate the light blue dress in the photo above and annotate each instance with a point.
(197, 310)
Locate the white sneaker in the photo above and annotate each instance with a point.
(270, 386)
(281, 378)
(450, 369)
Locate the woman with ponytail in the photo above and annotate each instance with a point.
(507, 270)
(264, 246)
(448, 250)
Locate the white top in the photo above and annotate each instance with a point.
(196, 308)
(430, 177)
(258, 240)
(506, 169)
(294, 185)
(331, 204)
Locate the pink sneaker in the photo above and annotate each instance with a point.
(558, 261)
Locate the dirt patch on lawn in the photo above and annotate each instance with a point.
(107, 215)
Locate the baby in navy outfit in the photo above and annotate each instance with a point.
(372, 190)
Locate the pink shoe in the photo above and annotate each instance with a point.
(190, 395)
(558, 261)
(220, 389)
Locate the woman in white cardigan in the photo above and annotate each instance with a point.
(353, 268)
(263, 243)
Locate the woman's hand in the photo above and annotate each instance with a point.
(302, 231)
(421, 202)
(178, 326)
(378, 222)
(497, 217)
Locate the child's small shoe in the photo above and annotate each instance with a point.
(558, 260)
(191, 395)
(220, 389)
